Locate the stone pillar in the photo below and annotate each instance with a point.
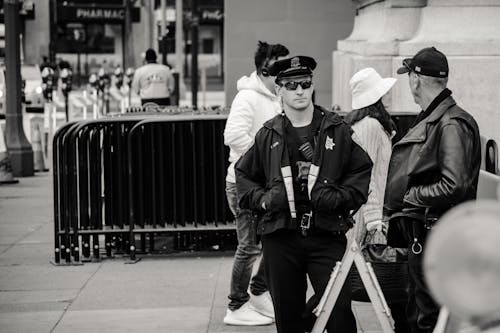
(379, 27)
(467, 31)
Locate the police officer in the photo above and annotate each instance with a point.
(302, 178)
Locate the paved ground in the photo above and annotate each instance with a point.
(184, 293)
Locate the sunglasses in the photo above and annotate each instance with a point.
(292, 85)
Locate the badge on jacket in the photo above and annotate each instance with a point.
(329, 144)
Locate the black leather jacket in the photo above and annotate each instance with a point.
(435, 165)
(338, 178)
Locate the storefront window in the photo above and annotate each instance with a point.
(84, 38)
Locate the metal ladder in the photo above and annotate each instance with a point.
(337, 279)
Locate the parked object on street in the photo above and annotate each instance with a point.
(33, 88)
(38, 157)
(6, 175)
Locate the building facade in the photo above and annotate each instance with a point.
(387, 31)
(310, 27)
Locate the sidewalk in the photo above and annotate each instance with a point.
(183, 293)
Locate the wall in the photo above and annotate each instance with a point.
(306, 27)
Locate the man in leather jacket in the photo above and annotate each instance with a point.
(302, 178)
(434, 167)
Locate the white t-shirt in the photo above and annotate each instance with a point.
(153, 81)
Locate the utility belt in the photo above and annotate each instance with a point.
(307, 227)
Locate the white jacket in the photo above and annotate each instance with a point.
(253, 105)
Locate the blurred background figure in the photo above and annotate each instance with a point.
(153, 82)
(462, 265)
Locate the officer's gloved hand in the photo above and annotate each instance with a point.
(375, 225)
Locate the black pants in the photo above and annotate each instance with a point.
(164, 101)
(289, 258)
(422, 310)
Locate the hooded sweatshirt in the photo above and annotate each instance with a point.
(253, 105)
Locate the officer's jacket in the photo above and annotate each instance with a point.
(338, 178)
(435, 165)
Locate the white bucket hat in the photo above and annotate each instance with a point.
(367, 87)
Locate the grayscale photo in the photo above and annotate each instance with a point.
(240, 166)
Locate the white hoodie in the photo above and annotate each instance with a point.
(253, 105)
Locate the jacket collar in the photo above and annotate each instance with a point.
(329, 118)
(419, 133)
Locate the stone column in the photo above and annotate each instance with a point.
(468, 32)
(379, 27)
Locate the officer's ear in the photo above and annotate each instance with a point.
(278, 89)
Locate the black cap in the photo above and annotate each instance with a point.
(298, 65)
(428, 62)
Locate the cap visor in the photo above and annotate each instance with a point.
(402, 70)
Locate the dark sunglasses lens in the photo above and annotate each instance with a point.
(292, 85)
(306, 84)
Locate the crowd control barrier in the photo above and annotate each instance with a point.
(165, 174)
(177, 180)
(90, 187)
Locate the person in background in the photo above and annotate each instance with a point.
(373, 129)
(255, 103)
(153, 82)
(434, 167)
(302, 178)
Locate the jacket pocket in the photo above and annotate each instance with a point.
(275, 198)
(323, 195)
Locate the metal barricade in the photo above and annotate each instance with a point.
(90, 186)
(177, 182)
(170, 167)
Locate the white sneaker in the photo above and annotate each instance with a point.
(246, 316)
(263, 304)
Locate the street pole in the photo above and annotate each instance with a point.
(178, 42)
(194, 55)
(52, 32)
(128, 40)
(18, 146)
(163, 31)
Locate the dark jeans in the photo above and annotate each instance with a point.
(246, 253)
(159, 101)
(289, 258)
(422, 311)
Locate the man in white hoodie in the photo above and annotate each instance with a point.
(255, 103)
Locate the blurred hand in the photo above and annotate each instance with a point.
(374, 225)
